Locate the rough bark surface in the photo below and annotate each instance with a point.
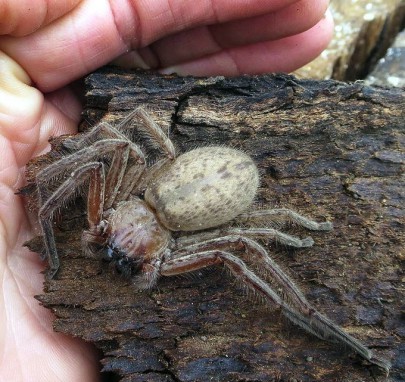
(327, 149)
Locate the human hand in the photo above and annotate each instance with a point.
(43, 50)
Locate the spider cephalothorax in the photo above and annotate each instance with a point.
(177, 215)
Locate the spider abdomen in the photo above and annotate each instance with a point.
(203, 188)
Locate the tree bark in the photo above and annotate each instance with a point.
(331, 150)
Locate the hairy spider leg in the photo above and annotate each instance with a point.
(137, 119)
(130, 174)
(289, 214)
(192, 262)
(60, 169)
(67, 163)
(141, 120)
(309, 319)
(265, 233)
(50, 203)
(307, 316)
(96, 196)
(254, 250)
(121, 150)
(67, 188)
(279, 236)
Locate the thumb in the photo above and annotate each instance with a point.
(30, 349)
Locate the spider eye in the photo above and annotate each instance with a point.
(124, 265)
(127, 267)
(109, 253)
(106, 253)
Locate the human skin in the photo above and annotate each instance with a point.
(44, 47)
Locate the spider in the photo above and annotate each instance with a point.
(177, 215)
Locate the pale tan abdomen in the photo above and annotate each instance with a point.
(203, 188)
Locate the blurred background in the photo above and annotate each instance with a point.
(369, 44)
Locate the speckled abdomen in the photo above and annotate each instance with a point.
(203, 188)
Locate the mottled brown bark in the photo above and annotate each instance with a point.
(327, 149)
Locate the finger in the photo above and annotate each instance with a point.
(25, 125)
(27, 339)
(25, 16)
(20, 109)
(288, 21)
(207, 40)
(284, 55)
(97, 31)
(27, 120)
(174, 16)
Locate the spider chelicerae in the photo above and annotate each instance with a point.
(177, 215)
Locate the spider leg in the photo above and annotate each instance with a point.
(59, 170)
(121, 150)
(184, 263)
(115, 175)
(138, 119)
(67, 189)
(96, 195)
(88, 154)
(261, 257)
(289, 214)
(265, 233)
(294, 305)
(141, 120)
(95, 209)
(132, 166)
(101, 131)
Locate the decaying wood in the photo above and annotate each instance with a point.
(327, 149)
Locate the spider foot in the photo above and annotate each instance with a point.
(70, 143)
(382, 363)
(43, 255)
(325, 226)
(51, 272)
(307, 242)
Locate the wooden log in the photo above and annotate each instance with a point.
(328, 149)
